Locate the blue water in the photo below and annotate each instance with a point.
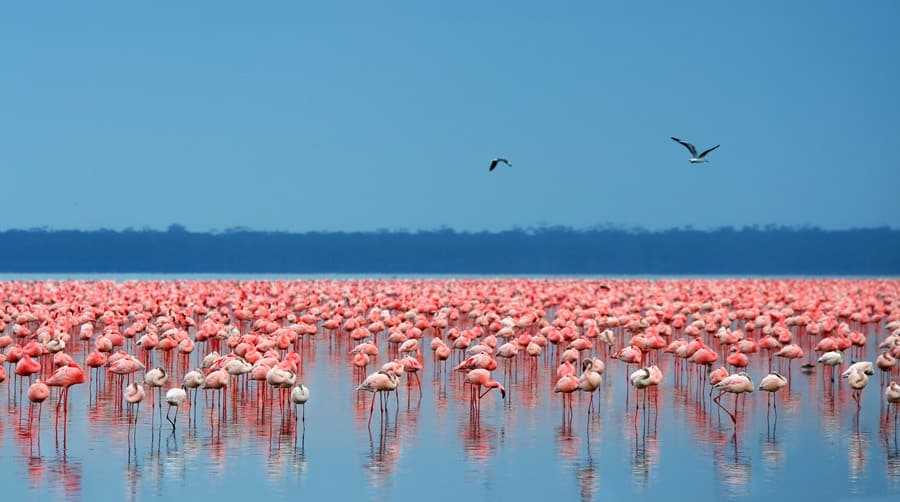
(521, 447)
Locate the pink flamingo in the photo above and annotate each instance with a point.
(591, 378)
(38, 392)
(567, 384)
(411, 367)
(739, 383)
(482, 378)
(134, 394)
(66, 377)
(378, 382)
(790, 352)
(772, 383)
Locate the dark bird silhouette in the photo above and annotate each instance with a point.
(695, 159)
(496, 161)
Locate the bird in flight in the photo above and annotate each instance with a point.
(695, 159)
(496, 161)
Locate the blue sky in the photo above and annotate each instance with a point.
(361, 115)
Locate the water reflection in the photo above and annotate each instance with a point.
(586, 471)
(891, 446)
(621, 448)
(858, 446)
(478, 443)
(383, 454)
(65, 473)
(133, 471)
(773, 455)
(734, 467)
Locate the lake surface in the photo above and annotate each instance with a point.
(817, 444)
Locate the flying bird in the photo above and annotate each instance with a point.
(695, 159)
(496, 161)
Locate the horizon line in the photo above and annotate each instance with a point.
(607, 227)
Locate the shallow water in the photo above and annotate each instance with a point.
(817, 444)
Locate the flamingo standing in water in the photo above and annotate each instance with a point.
(218, 380)
(65, 377)
(858, 381)
(641, 379)
(790, 352)
(831, 359)
(157, 377)
(479, 378)
(380, 381)
(300, 395)
(591, 379)
(411, 366)
(566, 385)
(892, 396)
(38, 392)
(27, 367)
(739, 383)
(175, 397)
(772, 383)
(859, 367)
(134, 394)
(193, 380)
(885, 362)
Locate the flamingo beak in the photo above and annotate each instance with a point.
(502, 393)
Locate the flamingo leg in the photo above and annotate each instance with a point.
(716, 400)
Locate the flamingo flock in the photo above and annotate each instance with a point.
(244, 340)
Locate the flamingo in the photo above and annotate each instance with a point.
(736, 384)
(134, 394)
(772, 383)
(892, 396)
(885, 362)
(590, 379)
(567, 384)
(831, 359)
(175, 397)
(300, 395)
(65, 377)
(790, 352)
(859, 367)
(640, 379)
(411, 367)
(193, 380)
(38, 392)
(858, 381)
(380, 381)
(157, 377)
(482, 378)
(217, 380)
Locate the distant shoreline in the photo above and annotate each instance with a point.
(551, 252)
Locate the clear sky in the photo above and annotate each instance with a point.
(331, 115)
